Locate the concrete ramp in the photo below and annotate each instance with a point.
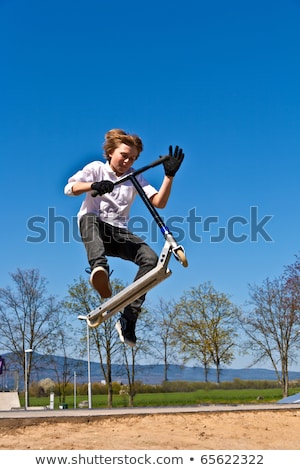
(292, 399)
(9, 400)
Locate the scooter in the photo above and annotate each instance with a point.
(153, 277)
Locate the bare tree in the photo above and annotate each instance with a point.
(204, 322)
(29, 317)
(143, 347)
(62, 366)
(106, 343)
(272, 324)
(165, 346)
(82, 299)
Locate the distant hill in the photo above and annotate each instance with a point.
(148, 374)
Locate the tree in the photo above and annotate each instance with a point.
(65, 346)
(82, 299)
(204, 325)
(142, 347)
(29, 317)
(272, 325)
(165, 346)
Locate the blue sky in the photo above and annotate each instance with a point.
(220, 79)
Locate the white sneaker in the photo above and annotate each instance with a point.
(99, 280)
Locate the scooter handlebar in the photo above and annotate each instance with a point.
(157, 162)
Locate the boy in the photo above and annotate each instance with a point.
(103, 220)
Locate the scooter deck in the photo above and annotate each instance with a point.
(128, 295)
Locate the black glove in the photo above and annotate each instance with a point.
(172, 164)
(102, 187)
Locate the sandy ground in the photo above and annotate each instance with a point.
(259, 430)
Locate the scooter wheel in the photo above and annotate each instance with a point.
(182, 258)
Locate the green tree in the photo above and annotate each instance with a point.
(204, 325)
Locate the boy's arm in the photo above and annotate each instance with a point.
(79, 187)
(171, 166)
(161, 198)
(75, 188)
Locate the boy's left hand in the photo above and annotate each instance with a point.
(172, 164)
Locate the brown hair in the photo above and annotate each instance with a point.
(115, 137)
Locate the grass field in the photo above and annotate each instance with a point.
(196, 397)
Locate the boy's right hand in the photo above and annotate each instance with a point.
(102, 187)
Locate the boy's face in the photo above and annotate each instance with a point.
(122, 158)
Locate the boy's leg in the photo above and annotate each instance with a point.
(136, 250)
(90, 230)
(146, 259)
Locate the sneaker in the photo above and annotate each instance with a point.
(100, 282)
(126, 330)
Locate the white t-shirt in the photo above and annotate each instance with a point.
(112, 208)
